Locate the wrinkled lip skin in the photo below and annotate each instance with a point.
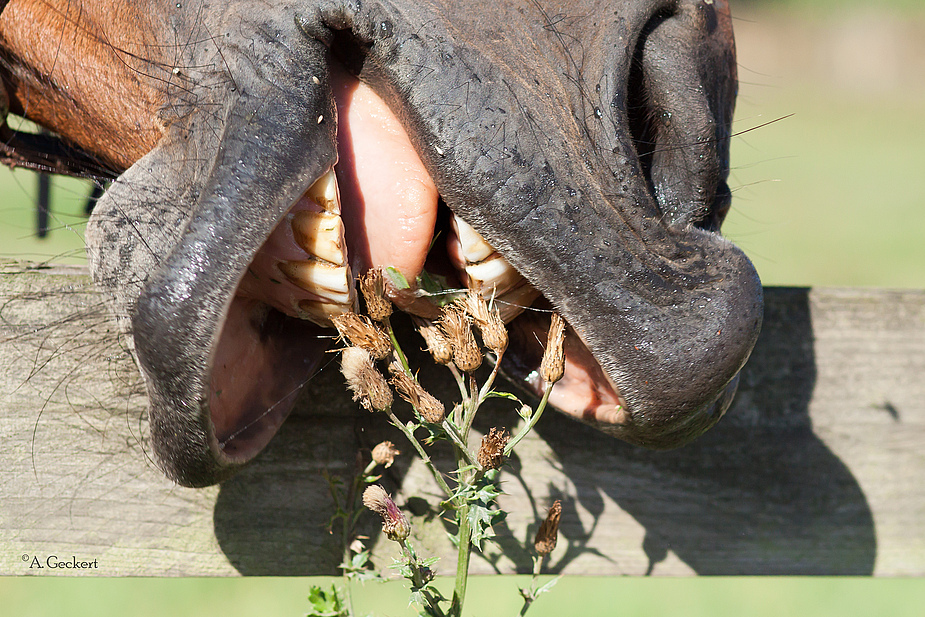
(611, 212)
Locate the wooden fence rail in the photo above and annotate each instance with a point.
(818, 468)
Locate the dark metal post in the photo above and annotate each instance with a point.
(43, 204)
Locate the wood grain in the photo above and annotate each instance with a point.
(817, 468)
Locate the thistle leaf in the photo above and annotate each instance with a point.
(325, 604)
(397, 279)
(547, 586)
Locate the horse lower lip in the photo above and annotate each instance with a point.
(584, 392)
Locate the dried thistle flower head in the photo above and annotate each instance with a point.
(426, 404)
(548, 533)
(474, 304)
(437, 344)
(394, 523)
(455, 325)
(367, 384)
(372, 284)
(491, 452)
(488, 320)
(553, 365)
(361, 332)
(384, 453)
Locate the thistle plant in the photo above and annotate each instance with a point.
(543, 545)
(355, 563)
(470, 490)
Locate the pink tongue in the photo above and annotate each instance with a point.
(584, 391)
(388, 199)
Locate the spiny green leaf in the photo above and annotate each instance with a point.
(360, 561)
(430, 561)
(487, 494)
(547, 586)
(434, 284)
(434, 433)
(416, 597)
(491, 476)
(481, 520)
(325, 604)
(368, 575)
(402, 567)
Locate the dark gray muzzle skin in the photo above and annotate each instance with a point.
(587, 141)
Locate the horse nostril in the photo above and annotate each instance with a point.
(642, 113)
(681, 90)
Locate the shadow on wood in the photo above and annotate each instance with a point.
(758, 494)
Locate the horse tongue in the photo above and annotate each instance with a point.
(388, 199)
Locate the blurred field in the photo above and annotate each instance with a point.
(833, 192)
(575, 597)
(832, 195)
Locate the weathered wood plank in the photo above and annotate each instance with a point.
(817, 468)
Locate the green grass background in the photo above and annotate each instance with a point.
(491, 597)
(834, 194)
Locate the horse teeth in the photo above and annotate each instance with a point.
(513, 302)
(474, 246)
(493, 274)
(488, 272)
(322, 313)
(320, 278)
(320, 234)
(324, 193)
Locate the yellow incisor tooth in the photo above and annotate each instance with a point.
(324, 193)
(322, 313)
(328, 281)
(490, 274)
(513, 302)
(320, 234)
(474, 247)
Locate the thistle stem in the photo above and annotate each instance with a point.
(537, 566)
(460, 382)
(529, 426)
(417, 580)
(486, 387)
(398, 352)
(350, 516)
(460, 443)
(421, 452)
(462, 560)
(474, 401)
